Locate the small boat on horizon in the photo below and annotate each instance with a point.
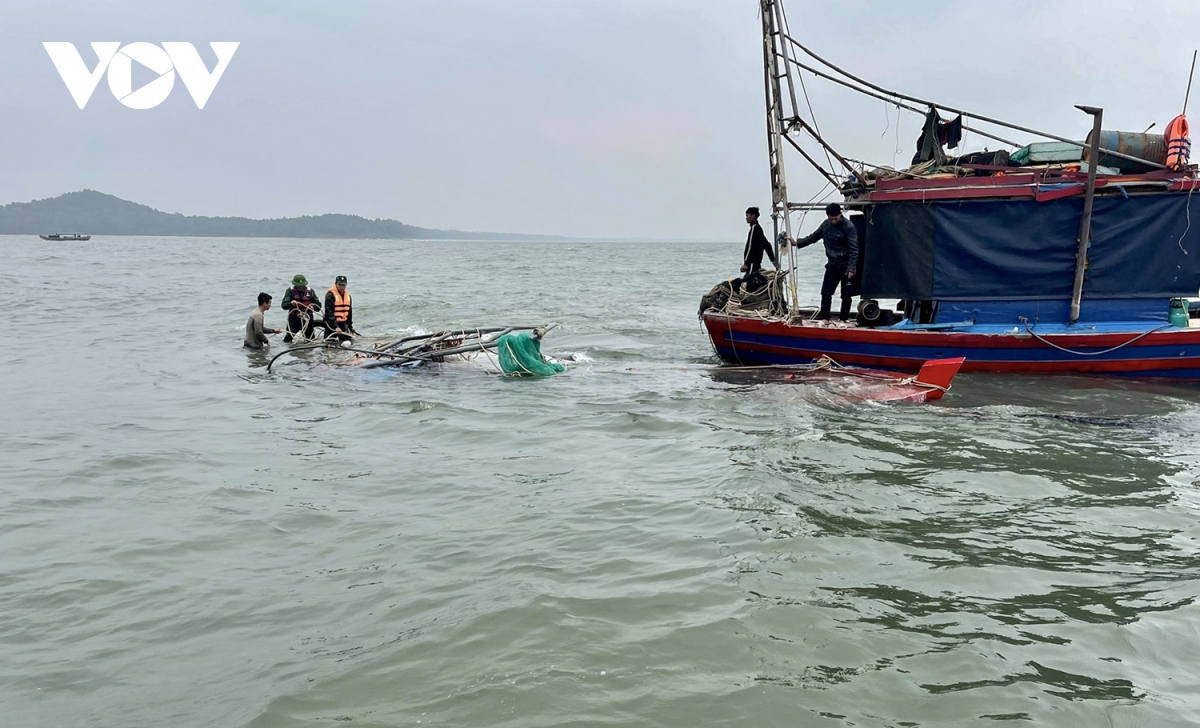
(57, 237)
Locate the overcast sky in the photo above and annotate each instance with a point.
(618, 118)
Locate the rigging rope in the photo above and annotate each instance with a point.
(803, 87)
(1047, 342)
(489, 354)
(953, 110)
(896, 149)
(1188, 208)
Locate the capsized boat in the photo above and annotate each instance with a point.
(416, 350)
(1067, 256)
(930, 383)
(66, 237)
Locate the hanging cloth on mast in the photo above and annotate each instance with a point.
(934, 134)
(929, 144)
(950, 132)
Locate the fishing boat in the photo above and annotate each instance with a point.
(66, 237)
(1064, 256)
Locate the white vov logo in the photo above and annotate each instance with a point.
(118, 61)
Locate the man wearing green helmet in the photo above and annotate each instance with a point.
(302, 305)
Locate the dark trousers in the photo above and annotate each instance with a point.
(753, 280)
(835, 275)
(295, 323)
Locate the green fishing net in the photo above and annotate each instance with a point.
(521, 354)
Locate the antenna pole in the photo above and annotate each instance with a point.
(1189, 88)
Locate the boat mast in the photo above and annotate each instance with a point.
(772, 42)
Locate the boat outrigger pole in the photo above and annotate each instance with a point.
(1085, 220)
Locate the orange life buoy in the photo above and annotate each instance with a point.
(1179, 143)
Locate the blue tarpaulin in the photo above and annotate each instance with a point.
(1142, 247)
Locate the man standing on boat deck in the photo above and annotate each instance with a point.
(256, 334)
(339, 312)
(302, 305)
(756, 245)
(841, 253)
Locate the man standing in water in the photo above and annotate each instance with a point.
(256, 335)
(302, 305)
(756, 245)
(339, 311)
(841, 254)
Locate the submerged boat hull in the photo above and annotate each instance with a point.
(1171, 353)
(929, 384)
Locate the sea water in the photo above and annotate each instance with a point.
(189, 540)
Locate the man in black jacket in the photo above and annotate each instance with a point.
(841, 252)
(756, 245)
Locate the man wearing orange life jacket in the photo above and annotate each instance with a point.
(339, 310)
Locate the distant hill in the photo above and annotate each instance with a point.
(96, 213)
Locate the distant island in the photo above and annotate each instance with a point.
(89, 211)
